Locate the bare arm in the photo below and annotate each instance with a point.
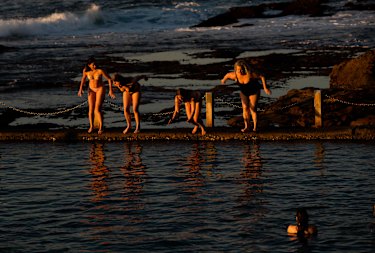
(83, 81)
(109, 79)
(263, 79)
(230, 75)
(176, 110)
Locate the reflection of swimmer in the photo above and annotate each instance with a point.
(99, 172)
(252, 161)
(251, 176)
(133, 170)
(303, 228)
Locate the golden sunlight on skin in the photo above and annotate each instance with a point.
(96, 93)
(193, 107)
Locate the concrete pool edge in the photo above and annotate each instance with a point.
(183, 134)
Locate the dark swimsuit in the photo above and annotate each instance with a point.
(197, 95)
(253, 87)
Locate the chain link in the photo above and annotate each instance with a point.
(332, 100)
(43, 113)
(218, 99)
(121, 108)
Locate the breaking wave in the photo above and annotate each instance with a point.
(64, 22)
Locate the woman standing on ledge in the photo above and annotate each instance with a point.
(131, 90)
(193, 106)
(96, 92)
(250, 87)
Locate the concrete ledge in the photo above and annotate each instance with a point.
(215, 134)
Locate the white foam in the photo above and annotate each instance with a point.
(53, 23)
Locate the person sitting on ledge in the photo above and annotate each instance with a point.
(302, 228)
(131, 90)
(248, 82)
(193, 106)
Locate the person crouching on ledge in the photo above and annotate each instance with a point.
(302, 228)
(193, 106)
(131, 95)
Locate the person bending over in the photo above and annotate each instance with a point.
(193, 106)
(131, 95)
(250, 86)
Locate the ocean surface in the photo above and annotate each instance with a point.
(170, 196)
(51, 41)
(185, 196)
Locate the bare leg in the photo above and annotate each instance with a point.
(126, 98)
(135, 100)
(253, 109)
(245, 112)
(98, 107)
(91, 101)
(197, 119)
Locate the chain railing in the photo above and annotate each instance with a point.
(220, 100)
(331, 99)
(65, 110)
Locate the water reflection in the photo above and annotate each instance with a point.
(134, 172)
(99, 172)
(251, 172)
(319, 157)
(199, 164)
(250, 200)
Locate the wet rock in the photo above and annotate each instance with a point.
(357, 73)
(345, 108)
(271, 10)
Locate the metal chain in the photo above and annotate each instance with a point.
(332, 100)
(118, 107)
(43, 113)
(228, 103)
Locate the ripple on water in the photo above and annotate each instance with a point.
(184, 196)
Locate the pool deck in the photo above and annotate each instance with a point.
(182, 134)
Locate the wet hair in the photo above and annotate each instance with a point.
(302, 221)
(123, 80)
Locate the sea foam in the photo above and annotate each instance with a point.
(64, 22)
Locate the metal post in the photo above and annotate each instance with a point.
(209, 109)
(318, 108)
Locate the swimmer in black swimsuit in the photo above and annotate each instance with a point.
(250, 86)
(193, 105)
(131, 90)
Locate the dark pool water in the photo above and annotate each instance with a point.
(185, 196)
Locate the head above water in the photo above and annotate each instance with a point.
(302, 218)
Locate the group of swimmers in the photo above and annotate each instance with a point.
(249, 81)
